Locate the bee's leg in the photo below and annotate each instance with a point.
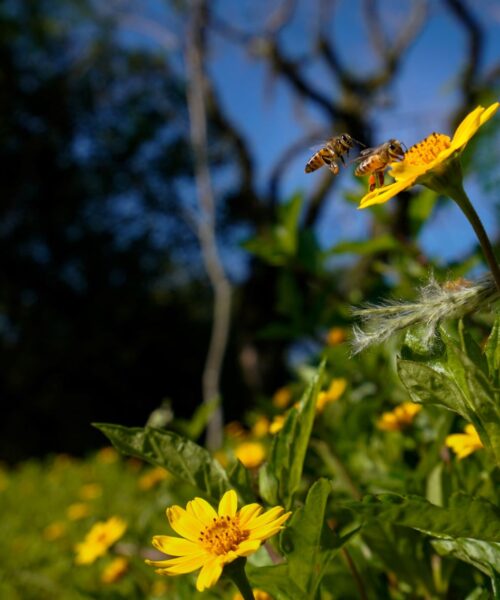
(342, 158)
(380, 179)
(371, 182)
(334, 168)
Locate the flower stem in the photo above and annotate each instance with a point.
(469, 211)
(236, 573)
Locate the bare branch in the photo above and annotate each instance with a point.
(475, 42)
(290, 70)
(284, 160)
(196, 88)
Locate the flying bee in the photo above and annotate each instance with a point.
(332, 151)
(373, 161)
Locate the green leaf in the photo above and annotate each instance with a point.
(241, 481)
(454, 381)
(485, 556)
(492, 350)
(195, 426)
(182, 457)
(428, 386)
(308, 545)
(280, 477)
(278, 244)
(275, 580)
(466, 516)
(381, 243)
(307, 542)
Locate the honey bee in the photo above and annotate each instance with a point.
(373, 161)
(332, 151)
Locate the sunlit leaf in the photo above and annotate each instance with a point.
(182, 457)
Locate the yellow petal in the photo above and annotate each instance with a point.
(248, 512)
(489, 112)
(384, 194)
(467, 128)
(184, 523)
(268, 529)
(209, 574)
(228, 504)
(182, 564)
(248, 547)
(265, 518)
(202, 510)
(175, 546)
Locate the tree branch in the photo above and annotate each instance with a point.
(196, 88)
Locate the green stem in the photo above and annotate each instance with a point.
(236, 573)
(469, 211)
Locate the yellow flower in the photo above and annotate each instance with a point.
(90, 491)
(97, 541)
(54, 531)
(115, 570)
(332, 394)
(257, 594)
(466, 443)
(159, 588)
(282, 397)
(152, 477)
(211, 539)
(260, 427)
(77, 511)
(335, 336)
(428, 161)
(235, 430)
(107, 455)
(251, 454)
(399, 418)
(277, 424)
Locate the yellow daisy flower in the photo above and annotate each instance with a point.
(261, 426)
(335, 336)
(77, 511)
(90, 491)
(332, 394)
(115, 570)
(212, 539)
(427, 162)
(251, 454)
(97, 541)
(399, 418)
(465, 443)
(282, 397)
(277, 424)
(152, 478)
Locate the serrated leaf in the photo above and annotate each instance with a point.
(279, 478)
(485, 556)
(182, 457)
(457, 383)
(467, 516)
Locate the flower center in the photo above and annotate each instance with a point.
(223, 535)
(427, 150)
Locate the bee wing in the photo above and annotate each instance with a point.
(364, 154)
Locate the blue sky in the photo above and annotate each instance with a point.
(423, 96)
